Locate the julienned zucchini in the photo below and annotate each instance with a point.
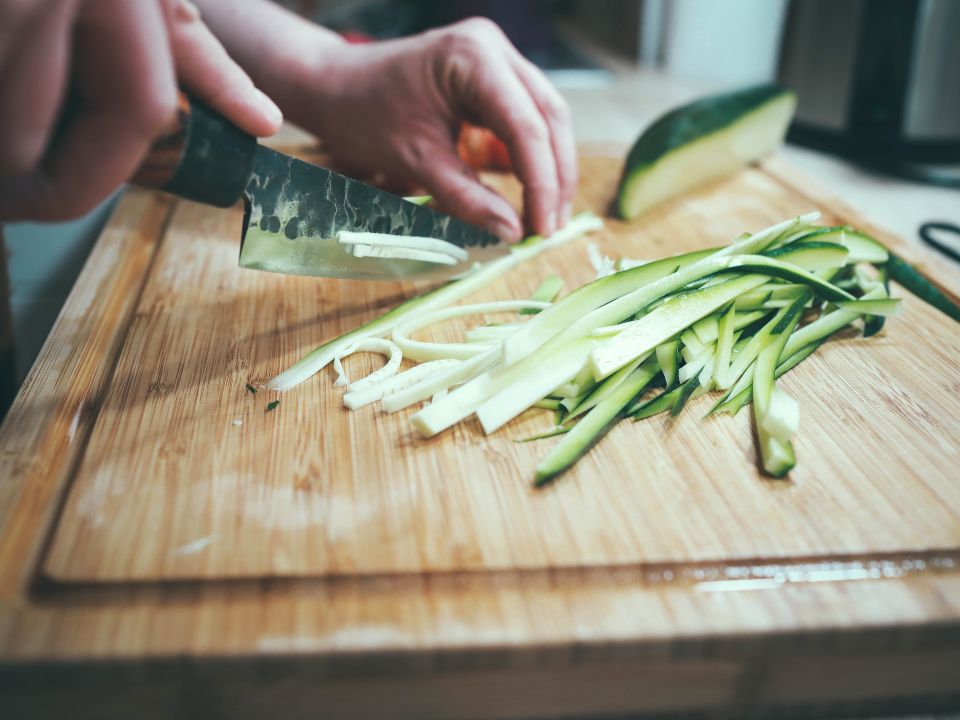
(703, 141)
(731, 319)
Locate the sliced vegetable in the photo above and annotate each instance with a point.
(547, 292)
(884, 308)
(364, 395)
(576, 443)
(899, 270)
(419, 199)
(668, 357)
(377, 345)
(773, 408)
(434, 299)
(591, 356)
(703, 141)
(421, 350)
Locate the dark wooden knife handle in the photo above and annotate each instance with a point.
(201, 156)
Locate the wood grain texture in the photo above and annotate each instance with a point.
(350, 608)
(311, 489)
(46, 430)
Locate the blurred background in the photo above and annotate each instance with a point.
(878, 84)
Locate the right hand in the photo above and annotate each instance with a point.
(122, 61)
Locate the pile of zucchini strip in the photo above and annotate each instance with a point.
(639, 341)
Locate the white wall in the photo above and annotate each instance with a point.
(730, 42)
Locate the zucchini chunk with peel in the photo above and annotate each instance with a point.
(703, 141)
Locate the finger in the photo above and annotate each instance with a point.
(32, 85)
(503, 104)
(206, 70)
(556, 113)
(457, 189)
(124, 75)
(17, 18)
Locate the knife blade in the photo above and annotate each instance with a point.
(295, 209)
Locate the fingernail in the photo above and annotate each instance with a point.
(269, 107)
(565, 214)
(503, 230)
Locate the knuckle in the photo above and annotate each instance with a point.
(473, 34)
(557, 110)
(542, 188)
(529, 130)
(480, 26)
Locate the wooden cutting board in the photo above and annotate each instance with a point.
(141, 473)
(183, 457)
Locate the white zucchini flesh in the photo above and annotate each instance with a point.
(665, 322)
(439, 380)
(668, 362)
(602, 265)
(384, 347)
(354, 399)
(776, 449)
(707, 329)
(695, 366)
(441, 297)
(408, 242)
(421, 350)
(465, 400)
(885, 307)
(398, 253)
(518, 396)
(489, 333)
(782, 418)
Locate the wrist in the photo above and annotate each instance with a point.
(303, 70)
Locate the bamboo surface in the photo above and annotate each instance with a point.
(312, 489)
(139, 523)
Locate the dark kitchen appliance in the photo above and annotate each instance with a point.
(878, 81)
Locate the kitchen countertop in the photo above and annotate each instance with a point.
(615, 112)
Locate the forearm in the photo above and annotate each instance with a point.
(279, 49)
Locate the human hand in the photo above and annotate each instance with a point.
(396, 107)
(121, 62)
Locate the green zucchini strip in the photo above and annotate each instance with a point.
(604, 415)
(771, 406)
(548, 291)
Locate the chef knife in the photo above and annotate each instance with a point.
(294, 209)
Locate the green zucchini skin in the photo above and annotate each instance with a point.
(691, 123)
(594, 425)
(902, 272)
